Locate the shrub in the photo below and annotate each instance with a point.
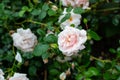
(88, 35)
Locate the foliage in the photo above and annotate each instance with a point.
(98, 61)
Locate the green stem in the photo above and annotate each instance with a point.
(11, 70)
(103, 1)
(13, 50)
(31, 21)
(104, 61)
(60, 5)
(109, 9)
(5, 25)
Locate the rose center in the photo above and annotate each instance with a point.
(70, 19)
(69, 41)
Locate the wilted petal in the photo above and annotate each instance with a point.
(63, 76)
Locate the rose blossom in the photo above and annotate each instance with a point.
(76, 3)
(74, 19)
(24, 40)
(19, 76)
(70, 40)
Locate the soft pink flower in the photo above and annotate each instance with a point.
(71, 40)
(76, 3)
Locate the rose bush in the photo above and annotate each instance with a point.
(59, 39)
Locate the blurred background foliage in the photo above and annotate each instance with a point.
(100, 59)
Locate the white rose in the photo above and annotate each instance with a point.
(76, 3)
(24, 40)
(74, 19)
(1, 72)
(71, 40)
(1, 75)
(19, 76)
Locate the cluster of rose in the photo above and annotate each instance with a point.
(70, 39)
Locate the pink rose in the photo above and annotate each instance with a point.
(71, 40)
(76, 3)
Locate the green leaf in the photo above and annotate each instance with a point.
(32, 70)
(100, 64)
(42, 14)
(85, 21)
(54, 72)
(45, 7)
(51, 12)
(21, 13)
(1, 30)
(118, 78)
(25, 8)
(115, 21)
(118, 49)
(108, 66)
(36, 1)
(107, 76)
(79, 77)
(112, 50)
(36, 12)
(67, 16)
(40, 49)
(69, 9)
(41, 32)
(28, 55)
(9, 57)
(93, 35)
(1, 7)
(88, 79)
(117, 67)
(92, 71)
(85, 59)
(51, 38)
(45, 55)
(50, 26)
(78, 10)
